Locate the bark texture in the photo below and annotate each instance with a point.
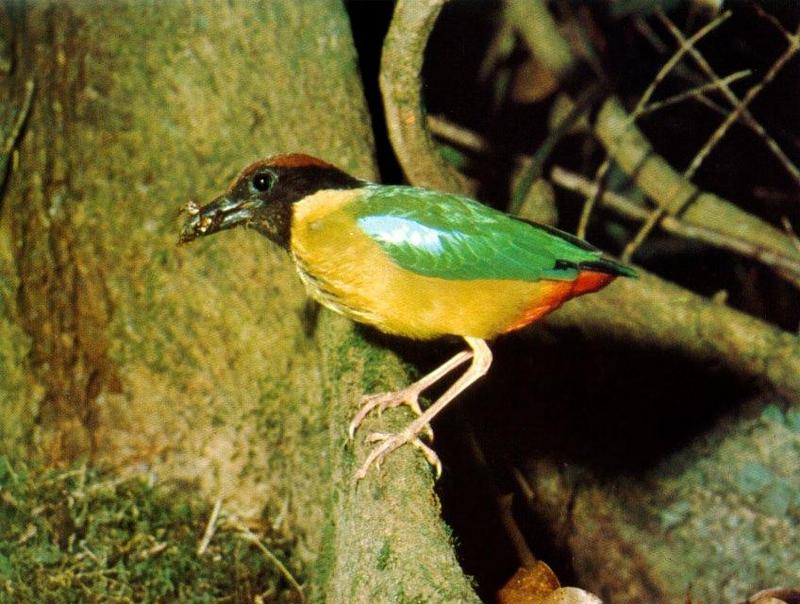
(202, 362)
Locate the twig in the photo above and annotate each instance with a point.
(659, 212)
(503, 501)
(523, 484)
(787, 266)
(643, 27)
(666, 68)
(693, 76)
(741, 107)
(153, 550)
(644, 231)
(11, 139)
(602, 171)
(246, 534)
(443, 128)
(211, 527)
(657, 179)
(19, 119)
(588, 205)
(712, 142)
(696, 92)
(790, 37)
(787, 225)
(746, 116)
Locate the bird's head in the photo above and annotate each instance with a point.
(261, 197)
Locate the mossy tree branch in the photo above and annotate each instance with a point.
(385, 540)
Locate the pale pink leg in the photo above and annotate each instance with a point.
(481, 360)
(408, 395)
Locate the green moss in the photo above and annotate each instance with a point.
(793, 420)
(324, 565)
(402, 598)
(17, 408)
(754, 477)
(80, 535)
(777, 498)
(673, 515)
(773, 413)
(384, 556)
(323, 569)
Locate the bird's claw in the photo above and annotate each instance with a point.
(388, 443)
(386, 400)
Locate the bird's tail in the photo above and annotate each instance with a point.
(608, 267)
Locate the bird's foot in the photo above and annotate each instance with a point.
(408, 396)
(389, 442)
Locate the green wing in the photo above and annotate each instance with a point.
(453, 237)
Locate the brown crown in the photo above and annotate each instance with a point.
(295, 160)
(286, 160)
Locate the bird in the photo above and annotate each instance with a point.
(408, 261)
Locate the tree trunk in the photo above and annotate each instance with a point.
(201, 362)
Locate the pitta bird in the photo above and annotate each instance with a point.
(409, 261)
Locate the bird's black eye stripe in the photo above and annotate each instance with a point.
(263, 181)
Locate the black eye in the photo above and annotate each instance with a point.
(263, 181)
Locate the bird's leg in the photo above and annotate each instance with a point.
(408, 395)
(481, 360)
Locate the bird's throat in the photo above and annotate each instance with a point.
(275, 223)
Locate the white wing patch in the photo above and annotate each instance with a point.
(396, 230)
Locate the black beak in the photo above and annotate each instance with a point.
(222, 213)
